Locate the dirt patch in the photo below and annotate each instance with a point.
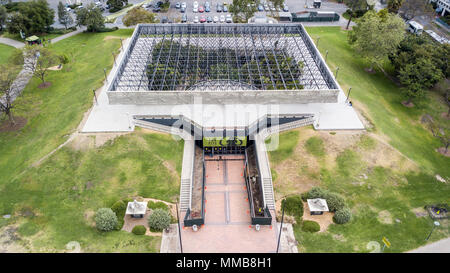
(44, 85)
(420, 212)
(55, 68)
(19, 123)
(443, 151)
(10, 241)
(384, 217)
(324, 220)
(408, 104)
(89, 217)
(445, 115)
(110, 37)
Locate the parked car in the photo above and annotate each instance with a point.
(209, 19)
(178, 5)
(202, 19)
(195, 4)
(184, 18)
(207, 7)
(216, 19)
(225, 8)
(183, 10)
(219, 8)
(266, 7)
(164, 20)
(229, 19)
(201, 9)
(222, 18)
(183, 5)
(260, 7)
(285, 8)
(156, 9)
(196, 19)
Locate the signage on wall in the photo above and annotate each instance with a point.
(224, 141)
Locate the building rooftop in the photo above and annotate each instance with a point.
(177, 57)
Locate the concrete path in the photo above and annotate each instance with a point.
(67, 35)
(11, 42)
(442, 246)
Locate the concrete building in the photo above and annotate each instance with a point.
(444, 5)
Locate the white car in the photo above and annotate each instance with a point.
(229, 19)
(216, 19)
(196, 19)
(195, 4)
(183, 5)
(222, 18)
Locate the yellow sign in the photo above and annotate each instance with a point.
(386, 242)
(224, 141)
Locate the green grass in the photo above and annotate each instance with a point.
(65, 190)
(381, 188)
(286, 143)
(5, 53)
(382, 99)
(314, 146)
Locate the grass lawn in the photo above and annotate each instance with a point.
(53, 203)
(5, 53)
(386, 174)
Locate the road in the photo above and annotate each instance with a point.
(442, 246)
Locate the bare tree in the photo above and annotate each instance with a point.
(7, 77)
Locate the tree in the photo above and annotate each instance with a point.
(354, 6)
(375, 37)
(105, 219)
(90, 16)
(242, 10)
(63, 15)
(32, 17)
(36, 59)
(116, 5)
(137, 16)
(159, 220)
(412, 8)
(7, 77)
(394, 5)
(3, 17)
(418, 77)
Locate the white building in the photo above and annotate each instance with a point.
(444, 5)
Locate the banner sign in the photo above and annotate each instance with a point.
(224, 141)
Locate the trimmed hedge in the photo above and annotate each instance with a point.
(293, 205)
(310, 226)
(105, 219)
(139, 230)
(119, 208)
(342, 216)
(157, 205)
(159, 220)
(335, 201)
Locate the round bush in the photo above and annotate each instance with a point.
(293, 205)
(335, 202)
(310, 226)
(342, 216)
(159, 220)
(317, 192)
(105, 219)
(139, 230)
(119, 207)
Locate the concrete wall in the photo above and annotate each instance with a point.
(227, 97)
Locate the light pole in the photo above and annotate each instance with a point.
(326, 55)
(435, 224)
(317, 43)
(337, 70)
(129, 122)
(348, 94)
(281, 225)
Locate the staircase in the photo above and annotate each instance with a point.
(268, 193)
(185, 194)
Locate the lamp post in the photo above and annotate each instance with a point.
(337, 70)
(348, 95)
(435, 224)
(281, 225)
(326, 55)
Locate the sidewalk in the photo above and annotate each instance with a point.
(442, 246)
(11, 42)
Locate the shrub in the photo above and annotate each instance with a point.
(105, 219)
(159, 220)
(157, 205)
(316, 192)
(310, 226)
(342, 216)
(335, 202)
(293, 205)
(119, 207)
(139, 230)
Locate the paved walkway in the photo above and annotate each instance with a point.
(442, 246)
(11, 42)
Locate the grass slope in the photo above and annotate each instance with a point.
(5, 53)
